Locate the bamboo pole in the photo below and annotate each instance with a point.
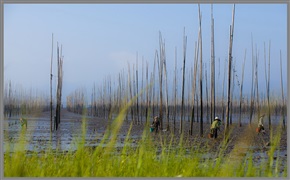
(283, 101)
(241, 90)
(232, 93)
(59, 85)
(142, 88)
(268, 82)
(135, 120)
(10, 100)
(95, 103)
(104, 98)
(200, 75)
(183, 81)
(256, 83)
(153, 81)
(229, 71)
(188, 107)
(134, 95)
(217, 88)
(160, 68)
(175, 90)
(120, 97)
(166, 87)
(206, 95)
(252, 87)
(147, 94)
(51, 83)
(130, 91)
(194, 86)
(137, 90)
(212, 105)
(92, 102)
(110, 99)
(57, 95)
(223, 91)
(268, 89)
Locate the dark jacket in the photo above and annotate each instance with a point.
(156, 124)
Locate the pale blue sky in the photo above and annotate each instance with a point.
(99, 39)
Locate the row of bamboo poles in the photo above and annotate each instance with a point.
(54, 125)
(181, 103)
(153, 98)
(19, 101)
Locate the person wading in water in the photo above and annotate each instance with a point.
(215, 126)
(156, 124)
(260, 127)
(23, 122)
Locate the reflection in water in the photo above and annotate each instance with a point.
(39, 138)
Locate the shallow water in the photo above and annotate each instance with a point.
(38, 136)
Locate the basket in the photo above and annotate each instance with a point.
(151, 129)
(210, 135)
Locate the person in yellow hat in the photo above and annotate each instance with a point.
(215, 126)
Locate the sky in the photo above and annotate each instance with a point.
(101, 39)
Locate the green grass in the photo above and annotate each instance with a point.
(145, 160)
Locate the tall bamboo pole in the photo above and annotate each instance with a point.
(200, 75)
(229, 71)
(175, 90)
(137, 90)
(206, 95)
(120, 87)
(190, 95)
(103, 98)
(268, 89)
(160, 65)
(223, 91)
(142, 95)
(232, 92)
(51, 83)
(147, 94)
(134, 95)
(252, 87)
(59, 85)
(268, 82)
(166, 87)
(212, 105)
(153, 81)
(183, 81)
(256, 82)
(283, 101)
(56, 113)
(194, 86)
(241, 90)
(130, 91)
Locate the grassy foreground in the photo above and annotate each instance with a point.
(145, 160)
